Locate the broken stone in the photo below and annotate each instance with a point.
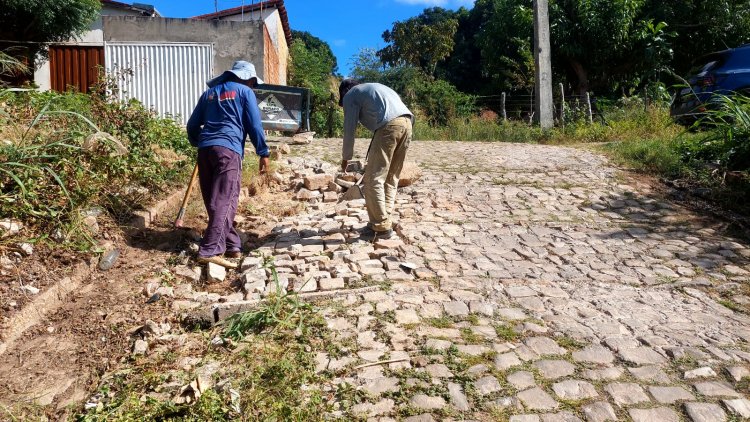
(458, 398)
(9, 228)
(140, 347)
(215, 273)
(410, 174)
(317, 181)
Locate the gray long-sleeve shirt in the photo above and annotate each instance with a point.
(373, 105)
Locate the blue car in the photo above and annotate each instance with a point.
(725, 72)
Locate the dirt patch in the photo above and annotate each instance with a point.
(90, 335)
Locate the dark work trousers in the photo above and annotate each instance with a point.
(220, 173)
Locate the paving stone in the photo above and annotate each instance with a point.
(555, 369)
(669, 395)
(544, 346)
(594, 354)
(379, 386)
(642, 356)
(438, 370)
(704, 372)
(705, 412)
(537, 399)
(650, 374)
(456, 309)
(599, 412)
(525, 418)
(738, 407)
(660, 414)
(487, 385)
(473, 349)
(605, 374)
(438, 345)
(426, 417)
(716, 389)
(574, 390)
(425, 402)
(560, 417)
(331, 284)
(482, 308)
(521, 380)
(626, 394)
(520, 291)
(458, 398)
(407, 316)
(738, 373)
(382, 407)
(511, 314)
(507, 360)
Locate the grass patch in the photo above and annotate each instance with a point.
(63, 154)
(443, 322)
(507, 332)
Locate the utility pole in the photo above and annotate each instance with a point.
(544, 106)
(216, 5)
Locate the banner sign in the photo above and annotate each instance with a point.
(283, 108)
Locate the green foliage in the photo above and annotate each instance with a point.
(728, 141)
(422, 41)
(55, 160)
(281, 311)
(313, 66)
(434, 100)
(45, 21)
(10, 66)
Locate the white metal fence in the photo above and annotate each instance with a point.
(167, 77)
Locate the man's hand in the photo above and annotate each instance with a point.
(344, 163)
(263, 165)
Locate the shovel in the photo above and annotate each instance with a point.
(178, 223)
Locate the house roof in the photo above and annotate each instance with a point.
(144, 9)
(249, 8)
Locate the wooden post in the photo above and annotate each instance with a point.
(589, 111)
(562, 106)
(544, 107)
(504, 111)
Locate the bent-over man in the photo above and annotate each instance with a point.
(379, 109)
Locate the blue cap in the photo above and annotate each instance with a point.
(242, 69)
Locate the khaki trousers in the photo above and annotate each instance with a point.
(384, 164)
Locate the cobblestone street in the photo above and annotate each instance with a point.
(548, 287)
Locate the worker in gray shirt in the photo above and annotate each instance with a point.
(380, 110)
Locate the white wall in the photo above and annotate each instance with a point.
(94, 37)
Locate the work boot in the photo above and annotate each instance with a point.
(370, 234)
(218, 260)
(233, 254)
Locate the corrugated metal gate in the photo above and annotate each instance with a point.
(167, 77)
(74, 66)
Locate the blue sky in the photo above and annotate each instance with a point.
(347, 26)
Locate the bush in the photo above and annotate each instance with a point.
(64, 153)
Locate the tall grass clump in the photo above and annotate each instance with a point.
(61, 154)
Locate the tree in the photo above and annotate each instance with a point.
(313, 66)
(36, 23)
(422, 41)
(314, 43)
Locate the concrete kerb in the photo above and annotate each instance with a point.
(218, 312)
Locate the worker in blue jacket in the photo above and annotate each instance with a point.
(225, 115)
